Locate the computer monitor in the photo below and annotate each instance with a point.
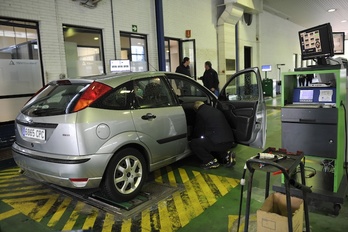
(317, 43)
(120, 66)
(338, 40)
(266, 68)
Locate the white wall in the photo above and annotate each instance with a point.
(199, 17)
(278, 39)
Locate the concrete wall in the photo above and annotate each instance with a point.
(278, 39)
(198, 16)
(273, 40)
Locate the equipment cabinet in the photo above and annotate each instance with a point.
(314, 121)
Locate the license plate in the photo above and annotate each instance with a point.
(34, 133)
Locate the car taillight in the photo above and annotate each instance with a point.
(92, 93)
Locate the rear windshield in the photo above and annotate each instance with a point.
(54, 100)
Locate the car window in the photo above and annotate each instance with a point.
(243, 88)
(185, 88)
(153, 92)
(53, 100)
(118, 99)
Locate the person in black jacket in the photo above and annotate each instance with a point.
(210, 78)
(184, 67)
(212, 134)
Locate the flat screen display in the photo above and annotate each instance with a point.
(316, 42)
(338, 40)
(120, 66)
(306, 95)
(266, 68)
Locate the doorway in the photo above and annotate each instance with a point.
(176, 50)
(172, 49)
(248, 85)
(247, 57)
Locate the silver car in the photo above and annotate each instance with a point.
(110, 132)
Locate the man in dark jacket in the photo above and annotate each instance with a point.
(212, 133)
(210, 78)
(184, 67)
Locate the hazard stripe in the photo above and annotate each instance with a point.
(197, 191)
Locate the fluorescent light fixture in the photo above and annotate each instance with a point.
(331, 10)
(344, 21)
(96, 38)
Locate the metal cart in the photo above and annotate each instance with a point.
(285, 164)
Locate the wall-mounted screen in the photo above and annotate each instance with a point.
(266, 68)
(120, 66)
(338, 39)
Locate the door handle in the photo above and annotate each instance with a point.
(148, 116)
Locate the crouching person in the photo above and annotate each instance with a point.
(212, 137)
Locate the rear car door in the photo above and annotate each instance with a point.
(242, 102)
(159, 120)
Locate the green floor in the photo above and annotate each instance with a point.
(225, 210)
(216, 217)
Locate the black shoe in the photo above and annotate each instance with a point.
(210, 165)
(230, 159)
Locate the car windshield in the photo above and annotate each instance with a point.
(54, 100)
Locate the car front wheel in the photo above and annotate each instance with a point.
(125, 175)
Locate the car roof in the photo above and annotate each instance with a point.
(120, 78)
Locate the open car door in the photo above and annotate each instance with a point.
(241, 100)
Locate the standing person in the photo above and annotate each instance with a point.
(212, 134)
(210, 78)
(184, 67)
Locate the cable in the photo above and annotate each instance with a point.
(345, 133)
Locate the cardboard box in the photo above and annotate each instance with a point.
(272, 217)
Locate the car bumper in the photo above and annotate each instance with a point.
(66, 171)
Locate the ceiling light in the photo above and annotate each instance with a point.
(344, 21)
(96, 38)
(331, 10)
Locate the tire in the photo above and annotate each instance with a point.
(125, 175)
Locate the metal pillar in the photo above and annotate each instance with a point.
(160, 35)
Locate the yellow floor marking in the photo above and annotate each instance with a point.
(24, 193)
(59, 212)
(6, 180)
(74, 215)
(181, 209)
(90, 220)
(233, 182)
(8, 214)
(42, 210)
(108, 222)
(197, 208)
(145, 220)
(11, 184)
(12, 174)
(222, 189)
(171, 177)
(5, 177)
(20, 188)
(211, 198)
(165, 221)
(25, 199)
(231, 220)
(15, 170)
(158, 176)
(126, 225)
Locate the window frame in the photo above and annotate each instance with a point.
(30, 24)
(101, 40)
(131, 35)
